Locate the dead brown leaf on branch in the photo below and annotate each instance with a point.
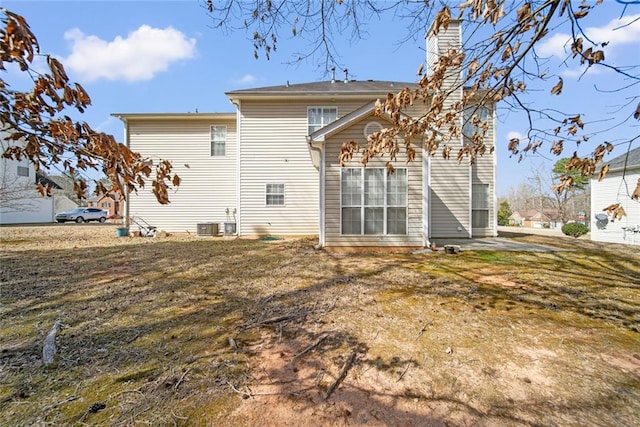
(502, 67)
(636, 193)
(615, 211)
(486, 83)
(35, 126)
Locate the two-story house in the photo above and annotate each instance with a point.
(113, 203)
(272, 168)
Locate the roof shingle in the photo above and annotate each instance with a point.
(352, 87)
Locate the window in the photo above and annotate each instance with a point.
(371, 128)
(469, 128)
(275, 195)
(23, 167)
(218, 141)
(319, 117)
(480, 206)
(432, 54)
(106, 204)
(373, 202)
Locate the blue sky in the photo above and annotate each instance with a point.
(164, 56)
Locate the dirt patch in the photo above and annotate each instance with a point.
(629, 363)
(293, 393)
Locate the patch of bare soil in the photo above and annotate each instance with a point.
(285, 391)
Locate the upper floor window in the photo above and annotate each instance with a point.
(319, 117)
(218, 141)
(23, 167)
(474, 117)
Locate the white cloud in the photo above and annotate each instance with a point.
(140, 56)
(580, 72)
(247, 79)
(515, 134)
(556, 45)
(108, 124)
(617, 32)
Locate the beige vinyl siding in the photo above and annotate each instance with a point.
(613, 190)
(450, 198)
(445, 40)
(333, 237)
(208, 185)
(274, 150)
(450, 186)
(450, 182)
(483, 173)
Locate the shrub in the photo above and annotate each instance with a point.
(575, 229)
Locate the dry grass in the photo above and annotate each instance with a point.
(496, 338)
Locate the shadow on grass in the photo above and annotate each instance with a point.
(166, 332)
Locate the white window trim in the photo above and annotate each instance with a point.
(267, 194)
(385, 205)
(211, 140)
(323, 107)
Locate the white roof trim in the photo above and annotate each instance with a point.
(342, 122)
(345, 121)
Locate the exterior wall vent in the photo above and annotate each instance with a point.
(371, 128)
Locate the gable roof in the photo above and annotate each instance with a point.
(324, 88)
(535, 214)
(342, 122)
(347, 120)
(173, 116)
(45, 180)
(631, 159)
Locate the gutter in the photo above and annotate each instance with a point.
(318, 161)
(127, 205)
(238, 217)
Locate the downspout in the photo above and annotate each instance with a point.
(471, 201)
(426, 215)
(127, 208)
(318, 147)
(238, 217)
(426, 183)
(493, 184)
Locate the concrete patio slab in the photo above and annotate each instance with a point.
(492, 244)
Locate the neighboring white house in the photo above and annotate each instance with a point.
(617, 187)
(20, 202)
(271, 168)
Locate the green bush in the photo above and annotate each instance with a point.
(575, 229)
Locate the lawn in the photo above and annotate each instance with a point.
(182, 330)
